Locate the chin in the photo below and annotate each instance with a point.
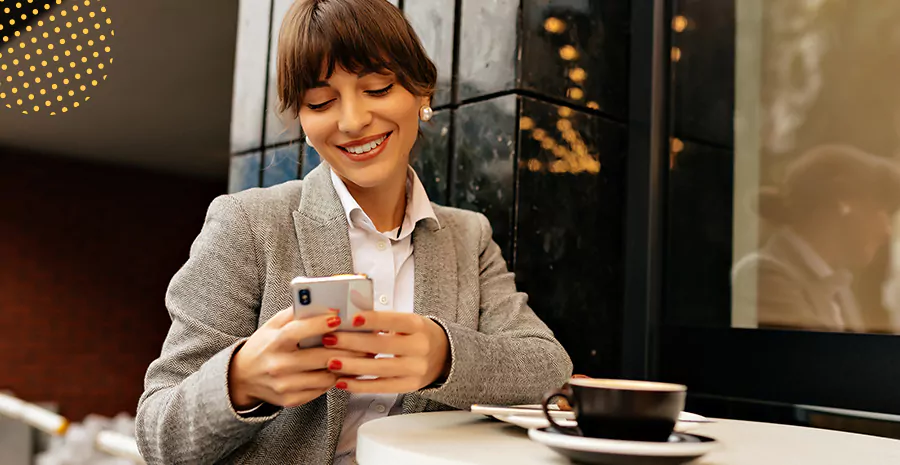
(373, 173)
(365, 177)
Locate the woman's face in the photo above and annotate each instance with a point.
(363, 125)
(865, 228)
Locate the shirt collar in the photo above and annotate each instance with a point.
(418, 206)
(813, 260)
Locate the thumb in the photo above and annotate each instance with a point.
(280, 319)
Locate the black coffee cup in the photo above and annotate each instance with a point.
(620, 409)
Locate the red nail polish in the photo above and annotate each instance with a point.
(334, 322)
(359, 320)
(335, 365)
(329, 340)
(341, 385)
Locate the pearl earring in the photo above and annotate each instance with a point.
(309, 142)
(426, 113)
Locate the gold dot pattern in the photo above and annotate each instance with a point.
(52, 65)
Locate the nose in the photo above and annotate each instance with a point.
(355, 116)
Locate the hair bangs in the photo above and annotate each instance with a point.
(318, 36)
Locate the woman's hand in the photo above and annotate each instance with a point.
(270, 367)
(419, 345)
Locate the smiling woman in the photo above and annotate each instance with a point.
(450, 328)
(358, 87)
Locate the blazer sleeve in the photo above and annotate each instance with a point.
(513, 357)
(185, 414)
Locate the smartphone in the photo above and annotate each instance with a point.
(349, 294)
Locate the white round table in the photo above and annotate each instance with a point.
(445, 438)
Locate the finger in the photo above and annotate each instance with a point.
(297, 330)
(299, 361)
(405, 323)
(280, 319)
(310, 380)
(382, 367)
(378, 386)
(396, 344)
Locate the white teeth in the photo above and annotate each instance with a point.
(360, 149)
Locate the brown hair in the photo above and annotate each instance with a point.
(357, 35)
(826, 175)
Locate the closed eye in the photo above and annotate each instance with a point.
(380, 92)
(319, 106)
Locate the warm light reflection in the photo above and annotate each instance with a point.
(593, 105)
(554, 25)
(679, 23)
(675, 147)
(676, 54)
(575, 93)
(572, 159)
(526, 123)
(577, 75)
(568, 53)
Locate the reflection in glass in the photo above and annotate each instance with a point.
(827, 219)
(816, 139)
(573, 157)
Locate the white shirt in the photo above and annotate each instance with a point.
(843, 301)
(387, 258)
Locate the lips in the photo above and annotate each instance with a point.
(366, 148)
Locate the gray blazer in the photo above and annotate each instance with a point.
(237, 276)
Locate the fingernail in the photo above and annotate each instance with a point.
(334, 310)
(359, 320)
(335, 365)
(334, 322)
(341, 385)
(329, 340)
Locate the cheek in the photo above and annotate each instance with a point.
(315, 125)
(407, 120)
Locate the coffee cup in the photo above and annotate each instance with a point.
(620, 409)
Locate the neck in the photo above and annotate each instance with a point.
(823, 246)
(384, 204)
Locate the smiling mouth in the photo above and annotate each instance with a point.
(363, 149)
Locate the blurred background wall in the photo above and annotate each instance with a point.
(99, 206)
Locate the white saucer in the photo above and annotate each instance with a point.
(531, 421)
(686, 421)
(681, 448)
(532, 410)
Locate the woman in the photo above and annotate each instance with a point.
(832, 214)
(231, 384)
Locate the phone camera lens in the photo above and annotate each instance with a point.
(304, 296)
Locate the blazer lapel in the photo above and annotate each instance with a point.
(324, 241)
(435, 290)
